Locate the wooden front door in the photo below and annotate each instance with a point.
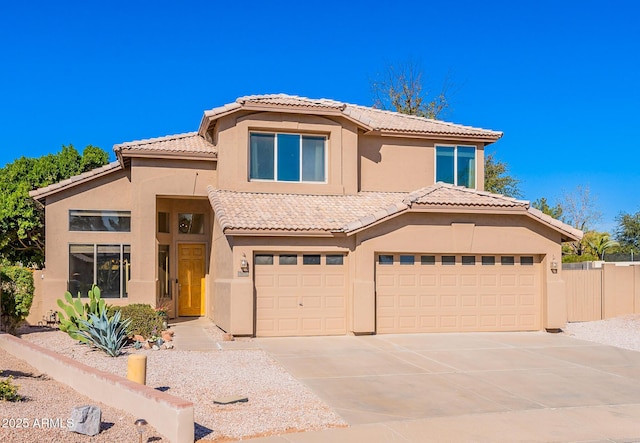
(191, 260)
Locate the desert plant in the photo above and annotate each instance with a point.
(8, 390)
(145, 320)
(16, 296)
(107, 334)
(76, 311)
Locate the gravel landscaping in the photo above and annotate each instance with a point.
(622, 332)
(277, 402)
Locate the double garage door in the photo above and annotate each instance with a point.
(300, 294)
(447, 293)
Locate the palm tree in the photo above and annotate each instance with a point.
(600, 244)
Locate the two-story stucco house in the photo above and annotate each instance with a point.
(285, 215)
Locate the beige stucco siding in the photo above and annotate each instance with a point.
(232, 140)
(136, 190)
(111, 192)
(404, 164)
(151, 178)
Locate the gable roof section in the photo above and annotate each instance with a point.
(42, 193)
(370, 119)
(257, 213)
(189, 144)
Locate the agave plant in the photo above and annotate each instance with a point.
(107, 334)
(76, 311)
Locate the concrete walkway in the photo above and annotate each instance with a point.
(533, 387)
(189, 334)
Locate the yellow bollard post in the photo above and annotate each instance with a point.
(137, 368)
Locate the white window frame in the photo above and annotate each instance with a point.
(275, 158)
(455, 162)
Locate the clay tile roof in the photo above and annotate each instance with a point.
(75, 180)
(381, 120)
(187, 143)
(292, 212)
(348, 213)
(443, 194)
(291, 100)
(371, 118)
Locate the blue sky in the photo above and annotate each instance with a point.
(560, 78)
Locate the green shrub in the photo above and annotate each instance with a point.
(106, 334)
(9, 391)
(145, 320)
(16, 288)
(76, 311)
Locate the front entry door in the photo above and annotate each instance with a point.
(191, 259)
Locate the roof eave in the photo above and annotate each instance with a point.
(41, 196)
(168, 155)
(253, 232)
(488, 138)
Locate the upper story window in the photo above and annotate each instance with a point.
(456, 165)
(96, 220)
(287, 157)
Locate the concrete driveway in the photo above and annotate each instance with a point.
(467, 387)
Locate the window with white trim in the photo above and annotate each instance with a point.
(287, 157)
(456, 165)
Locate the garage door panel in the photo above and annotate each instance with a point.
(488, 280)
(469, 321)
(469, 301)
(305, 298)
(488, 300)
(265, 281)
(334, 302)
(287, 302)
(526, 280)
(407, 280)
(470, 297)
(448, 280)
(447, 301)
(266, 302)
(407, 301)
(310, 281)
(287, 281)
(428, 322)
(386, 280)
(427, 280)
(334, 280)
(469, 280)
(428, 301)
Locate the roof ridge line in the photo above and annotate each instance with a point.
(148, 141)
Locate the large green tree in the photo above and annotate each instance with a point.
(546, 208)
(627, 231)
(497, 178)
(21, 218)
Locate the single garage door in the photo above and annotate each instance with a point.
(300, 294)
(450, 293)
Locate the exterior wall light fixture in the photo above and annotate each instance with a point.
(554, 265)
(244, 264)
